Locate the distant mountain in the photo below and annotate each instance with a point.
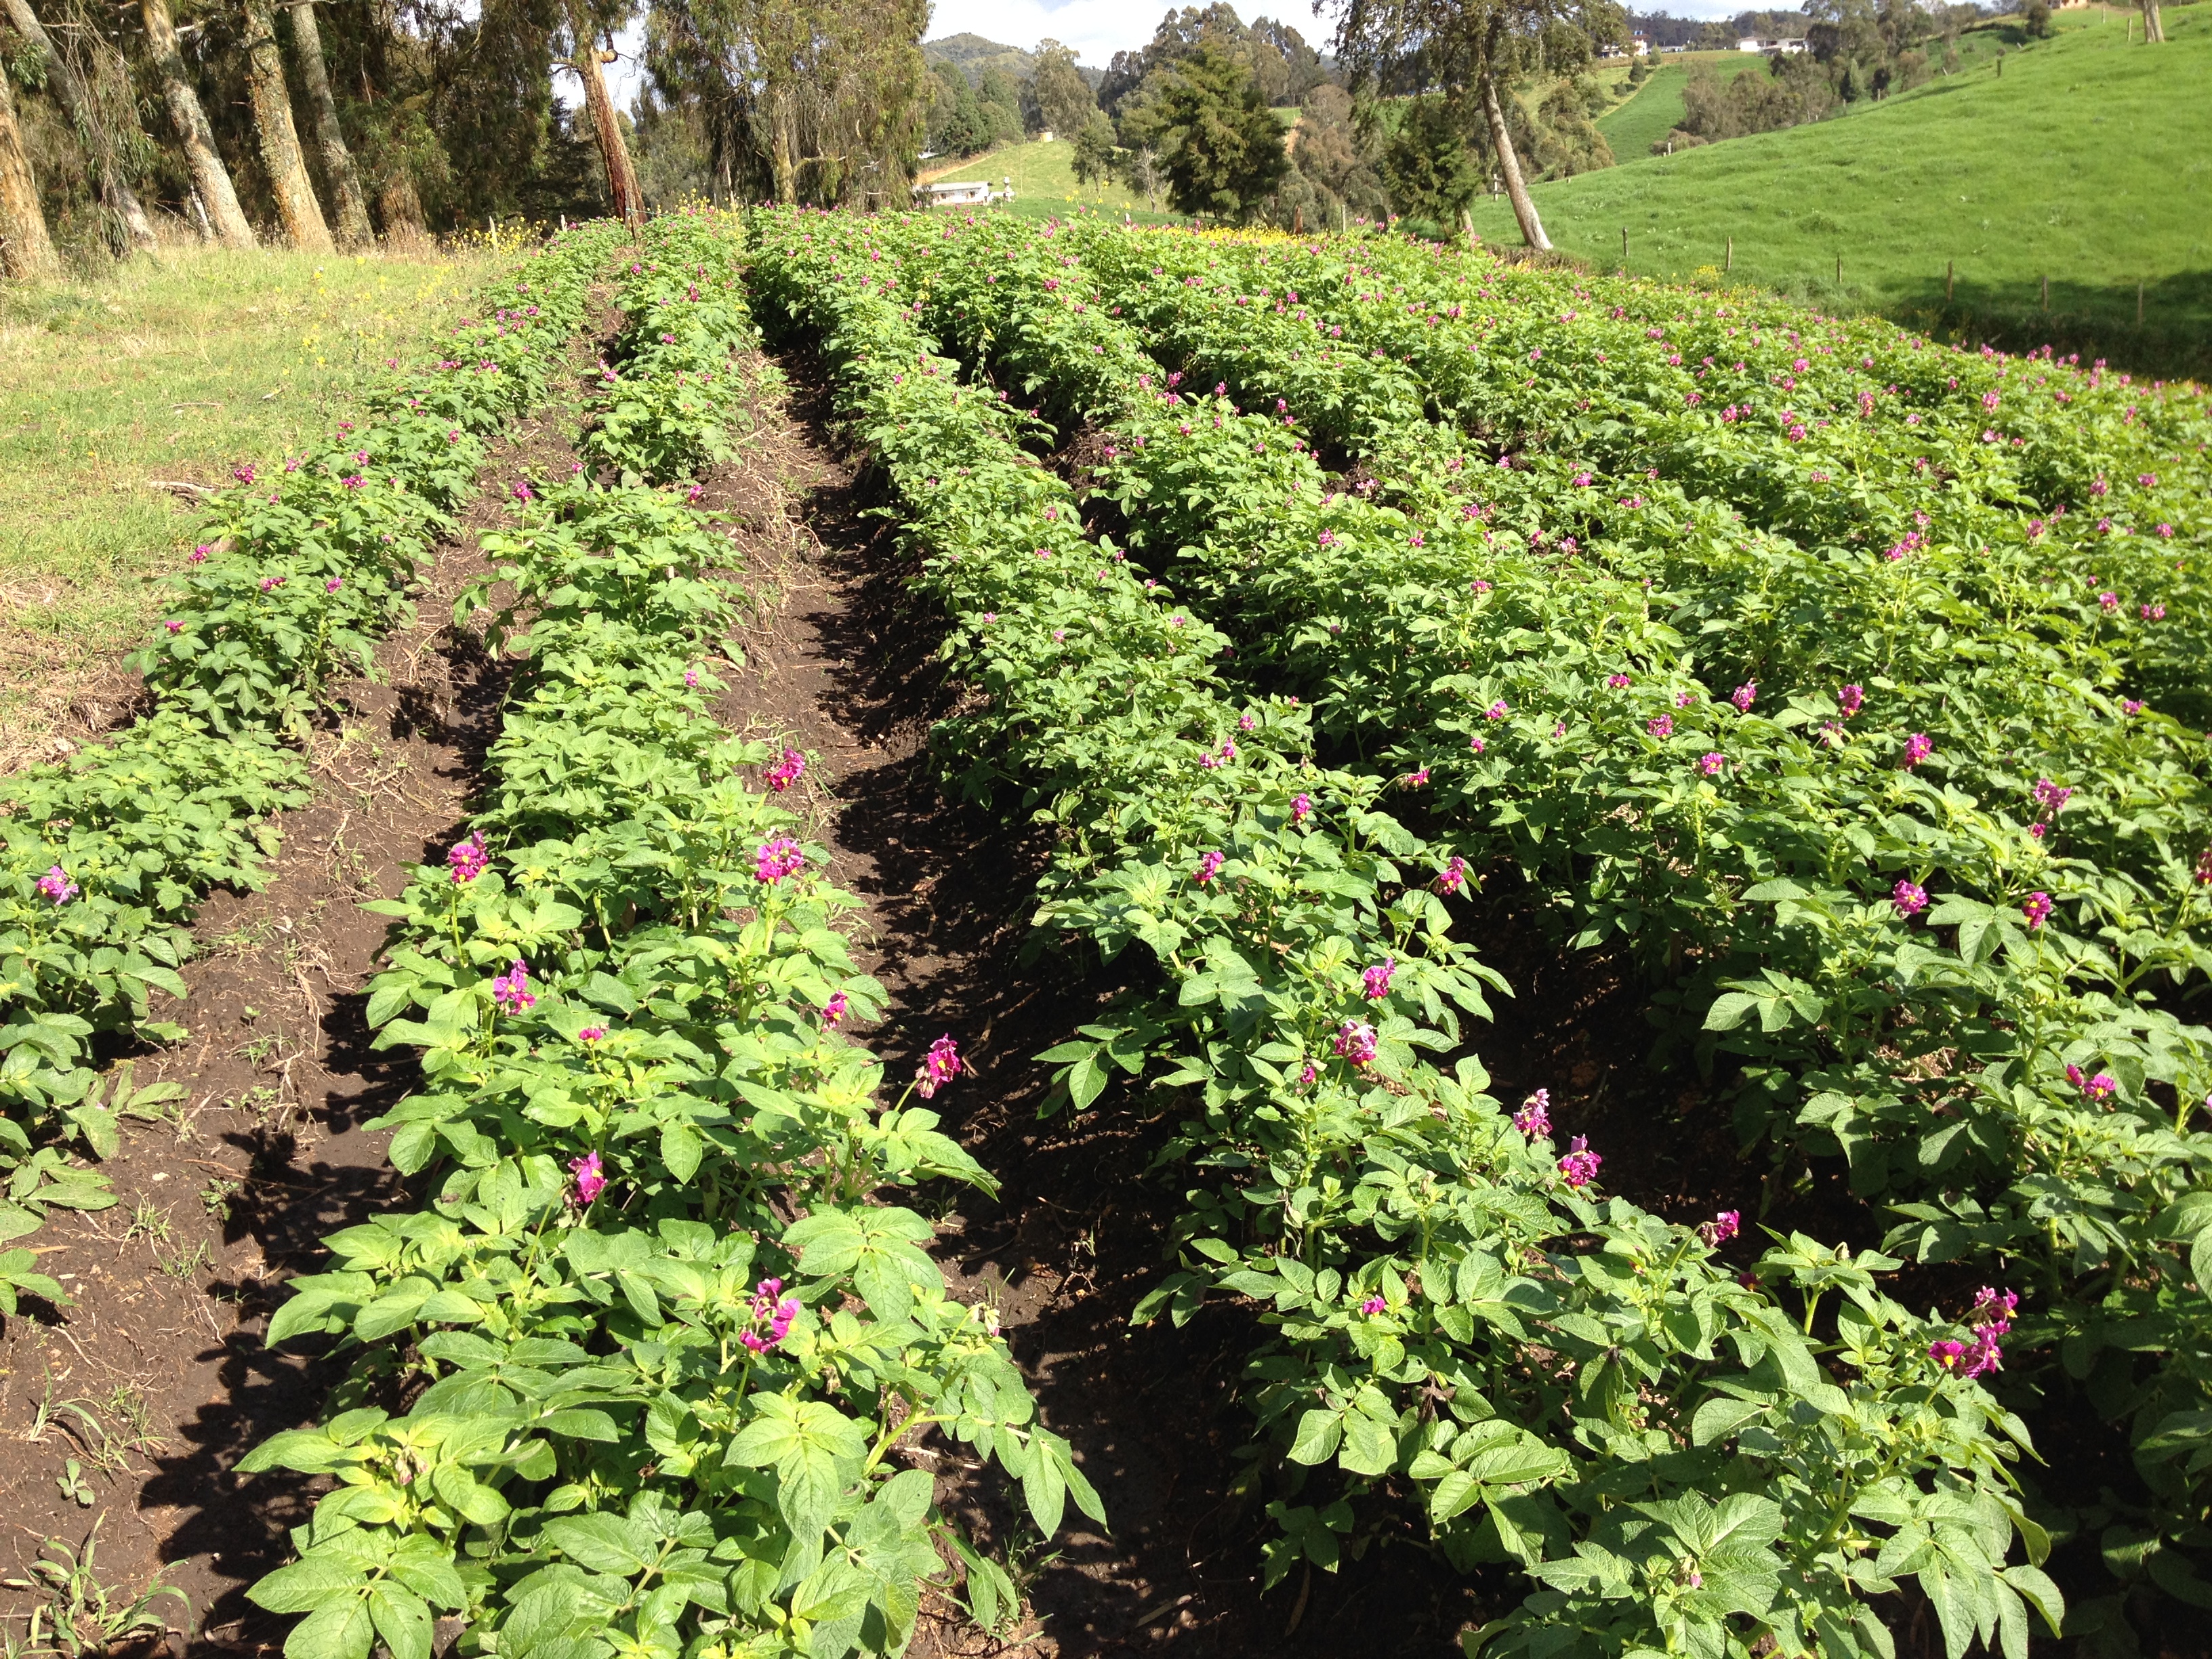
(971, 54)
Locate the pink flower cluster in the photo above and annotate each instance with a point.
(1909, 897)
(777, 859)
(1374, 982)
(57, 885)
(1301, 809)
(1851, 700)
(1991, 1317)
(938, 1066)
(786, 772)
(468, 859)
(1579, 1167)
(833, 1012)
(1534, 1118)
(510, 991)
(1917, 748)
(2036, 909)
(591, 1177)
(1712, 764)
(1356, 1041)
(1744, 697)
(1209, 866)
(771, 1307)
(1452, 877)
(1722, 1227)
(2096, 1090)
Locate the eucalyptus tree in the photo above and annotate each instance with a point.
(587, 60)
(26, 251)
(1468, 51)
(816, 100)
(352, 229)
(218, 197)
(93, 124)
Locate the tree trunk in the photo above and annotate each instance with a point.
(26, 251)
(781, 171)
(2152, 29)
(219, 201)
(279, 139)
(403, 212)
(1508, 165)
(354, 232)
(114, 189)
(622, 176)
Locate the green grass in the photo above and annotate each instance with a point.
(1043, 175)
(2086, 161)
(1655, 108)
(171, 368)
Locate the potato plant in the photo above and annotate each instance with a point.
(652, 1370)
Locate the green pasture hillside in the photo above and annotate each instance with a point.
(1044, 181)
(1655, 109)
(2086, 161)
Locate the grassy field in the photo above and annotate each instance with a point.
(1655, 108)
(1041, 173)
(2086, 161)
(171, 370)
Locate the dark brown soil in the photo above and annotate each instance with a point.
(154, 1381)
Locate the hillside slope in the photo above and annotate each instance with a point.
(2086, 161)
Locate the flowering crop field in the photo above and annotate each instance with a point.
(1850, 688)
(1853, 688)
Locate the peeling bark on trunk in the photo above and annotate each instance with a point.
(354, 232)
(218, 200)
(622, 178)
(1508, 164)
(781, 169)
(138, 232)
(26, 251)
(279, 139)
(403, 212)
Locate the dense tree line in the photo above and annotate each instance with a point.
(335, 123)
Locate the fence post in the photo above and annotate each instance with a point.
(1730, 266)
(2046, 297)
(1950, 272)
(2139, 289)
(1623, 245)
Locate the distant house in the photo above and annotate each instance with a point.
(1637, 45)
(1787, 47)
(951, 193)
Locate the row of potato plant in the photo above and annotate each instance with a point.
(641, 1377)
(1679, 1455)
(1535, 697)
(297, 572)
